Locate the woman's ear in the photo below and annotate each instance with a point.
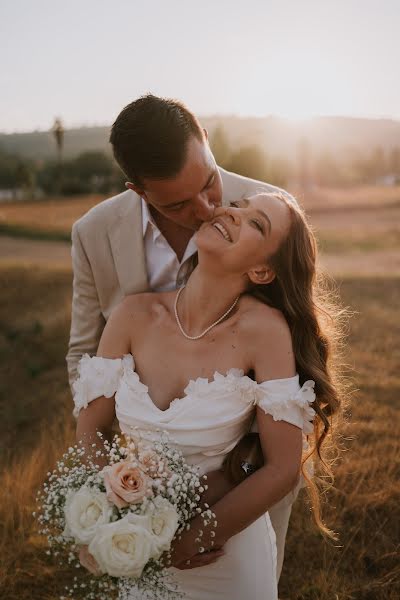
(261, 275)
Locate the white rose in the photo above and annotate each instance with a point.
(123, 548)
(84, 511)
(164, 521)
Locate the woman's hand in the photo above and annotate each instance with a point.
(185, 555)
(201, 560)
(186, 549)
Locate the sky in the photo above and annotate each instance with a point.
(84, 60)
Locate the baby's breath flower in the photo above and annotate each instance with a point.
(177, 482)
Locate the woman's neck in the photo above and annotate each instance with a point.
(206, 298)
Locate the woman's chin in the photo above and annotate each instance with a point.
(207, 241)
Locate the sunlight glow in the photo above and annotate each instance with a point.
(291, 59)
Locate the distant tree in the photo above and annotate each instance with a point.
(58, 132)
(89, 172)
(279, 171)
(92, 164)
(252, 162)
(220, 146)
(25, 177)
(94, 168)
(8, 167)
(394, 161)
(249, 161)
(327, 170)
(16, 173)
(48, 177)
(304, 163)
(378, 164)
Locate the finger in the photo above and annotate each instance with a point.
(199, 564)
(206, 555)
(201, 560)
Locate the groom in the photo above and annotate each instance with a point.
(142, 239)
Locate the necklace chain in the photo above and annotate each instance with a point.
(197, 337)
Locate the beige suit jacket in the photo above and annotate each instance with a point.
(109, 262)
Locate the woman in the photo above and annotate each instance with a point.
(247, 309)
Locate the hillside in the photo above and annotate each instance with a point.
(279, 137)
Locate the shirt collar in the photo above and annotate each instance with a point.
(148, 221)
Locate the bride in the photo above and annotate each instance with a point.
(243, 338)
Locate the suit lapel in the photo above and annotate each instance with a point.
(126, 239)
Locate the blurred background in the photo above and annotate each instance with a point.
(305, 96)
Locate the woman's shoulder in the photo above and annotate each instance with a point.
(260, 318)
(266, 334)
(139, 306)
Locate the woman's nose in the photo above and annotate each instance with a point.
(233, 213)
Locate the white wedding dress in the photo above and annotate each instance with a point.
(206, 423)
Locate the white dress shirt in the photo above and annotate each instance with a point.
(164, 270)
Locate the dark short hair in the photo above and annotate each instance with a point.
(150, 137)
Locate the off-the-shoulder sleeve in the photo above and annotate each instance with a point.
(285, 400)
(97, 377)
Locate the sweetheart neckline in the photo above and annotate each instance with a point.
(102, 376)
(185, 396)
(236, 372)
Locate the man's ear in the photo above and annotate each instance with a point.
(205, 133)
(135, 188)
(261, 275)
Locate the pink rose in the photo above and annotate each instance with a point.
(88, 561)
(126, 483)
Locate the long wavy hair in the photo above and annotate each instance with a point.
(317, 323)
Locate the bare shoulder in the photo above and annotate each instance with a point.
(127, 322)
(140, 308)
(137, 307)
(268, 338)
(257, 316)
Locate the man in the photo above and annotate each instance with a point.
(142, 239)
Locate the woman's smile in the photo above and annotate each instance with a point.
(222, 229)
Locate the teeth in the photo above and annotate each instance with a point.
(222, 230)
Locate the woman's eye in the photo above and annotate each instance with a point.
(235, 204)
(258, 225)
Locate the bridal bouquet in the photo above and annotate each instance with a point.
(119, 521)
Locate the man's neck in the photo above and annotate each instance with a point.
(177, 236)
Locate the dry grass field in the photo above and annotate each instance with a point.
(363, 507)
(358, 228)
(54, 215)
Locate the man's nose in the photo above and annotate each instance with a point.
(204, 209)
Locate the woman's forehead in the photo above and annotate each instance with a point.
(273, 205)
